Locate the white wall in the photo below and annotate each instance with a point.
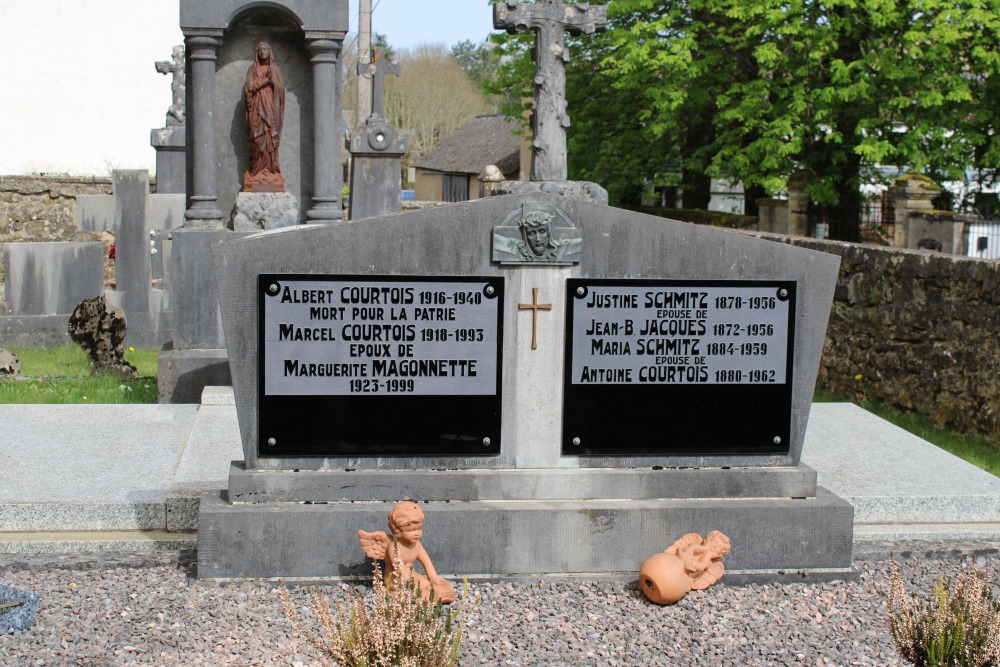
(80, 89)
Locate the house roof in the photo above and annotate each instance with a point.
(481, 141)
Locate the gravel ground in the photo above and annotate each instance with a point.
(154, 613)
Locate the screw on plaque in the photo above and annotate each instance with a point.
(273, 288)
(576, 442)
(580, 291)
(486, 442)
(489, 289)
(271, 442)
(782, 292)
(777, 439)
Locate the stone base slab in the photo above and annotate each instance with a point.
(500, 539)
(522, 484)
(183, 374)
(264, 210)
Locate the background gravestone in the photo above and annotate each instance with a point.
(376, 149)
(135, 216)
(43, 283)
(540, 506)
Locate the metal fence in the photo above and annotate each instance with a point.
(876, 215)
(984, 239)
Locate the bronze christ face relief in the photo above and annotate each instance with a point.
(264, 95)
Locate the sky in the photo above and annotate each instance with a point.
(82, 94)
(408, 23)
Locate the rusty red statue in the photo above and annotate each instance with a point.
(264, 94)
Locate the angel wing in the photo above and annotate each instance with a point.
(686, 540)
(375, 545)
(708, 577)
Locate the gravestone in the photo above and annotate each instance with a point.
(555, 413)
(43, 282)
(376, 149)
(134, 216)
(220, 39)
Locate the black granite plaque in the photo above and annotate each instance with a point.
(657, 367)
(379, 365)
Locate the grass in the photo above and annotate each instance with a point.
(977, 450)
(62, 375)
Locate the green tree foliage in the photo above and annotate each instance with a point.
(479, 61)
(763, 91)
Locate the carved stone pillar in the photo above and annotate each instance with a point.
(202, 53)
(326, 202)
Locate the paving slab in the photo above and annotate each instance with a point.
(142, 468)
(90, 467)
(92, 453)
(214, 443)
(892, 476)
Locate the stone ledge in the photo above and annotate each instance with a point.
(521, 538)
(523, 484)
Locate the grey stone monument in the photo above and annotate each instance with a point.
(220, 38)
(376, 149)
(551, 419)
(169, 141)
(306, 38)
(135, 216)
(549, 19)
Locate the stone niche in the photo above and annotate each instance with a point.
(233, 150)
(306, 40)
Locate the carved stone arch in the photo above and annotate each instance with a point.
(262, 8)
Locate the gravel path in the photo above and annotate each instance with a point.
(154, 613)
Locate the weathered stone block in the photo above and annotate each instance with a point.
(100, 329)
(264, 210)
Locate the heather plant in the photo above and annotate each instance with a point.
(958, 627)
(396, 628)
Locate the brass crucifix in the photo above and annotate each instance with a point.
(534, 307)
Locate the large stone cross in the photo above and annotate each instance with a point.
(549, 19)
(175, 67)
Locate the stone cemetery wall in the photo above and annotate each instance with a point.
(43, 208)
(916, 331)
(40, 208)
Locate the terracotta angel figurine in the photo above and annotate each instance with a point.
(690, 563)
(406, 521)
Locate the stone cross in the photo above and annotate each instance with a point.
(131, 213)
(175, 115)
(549, 19)
(377, 69)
